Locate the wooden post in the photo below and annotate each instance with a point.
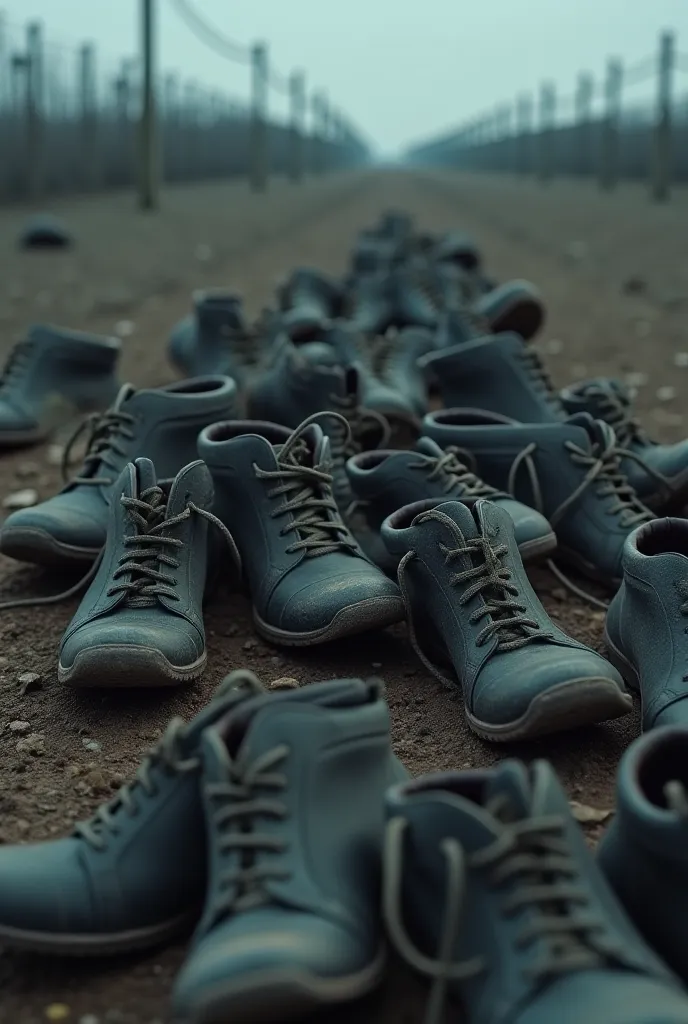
(259, 89)
(169, 126)
(661, 177)
(524, 133)
(34, 110)
(87, 98)
(297, 99)
(609, 153)
(122, 105)
(584, 124)
(325, 132)
(315, 139)
(547, 114)
(149, 177)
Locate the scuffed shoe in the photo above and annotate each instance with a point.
(215, 338)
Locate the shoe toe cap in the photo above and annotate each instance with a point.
(176, 642)
(365, 594)
(62, 519)
(12, 419)
(44, 891)
(529, 524)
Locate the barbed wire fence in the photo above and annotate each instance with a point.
(629, 124)
(71, 118)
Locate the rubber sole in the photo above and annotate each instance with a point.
(100, 944)
(570, 705)
(375, 613)
(38, 547)
(273, 997)
(122, 666)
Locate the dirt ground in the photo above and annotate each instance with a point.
(614, 273)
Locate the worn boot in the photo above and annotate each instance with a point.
(499, 374)
(294, 794)
(659, 472)
(515, 306)
(140, 622)
(134, 875)
(312, 292)
(309, 580)
(161, 424)
(472, 610)
(383, 481)
(395, 361)
(646, 625)
(215, 338)
(491, 891)
(569, 471)
(51, 377)
(644, 851)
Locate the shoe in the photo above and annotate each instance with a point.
(659, 472)
(399, 297)
(383, 481)
(134, 875)
(491, 891)
(515, 307)
(646, 625)
(570, 472)
(471, 608)
(140, 622)
(214, 339)
(312, 293)
(308, 579)
(395, 363)
(294, 790)
(51, 377)
(498, 374)
(161, 424)
(643, 852)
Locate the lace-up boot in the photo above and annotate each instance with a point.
(140, 622)
(499, 374)
(215, 338)
(309, 580)
(395, 360)
(291, 921)
(659, 472)
(569, 471)
(53, 375)
(161, 424)
(383, 481)
(311, 292)
(643, 852)
(476, 623)
(647, 621)
(491, 892)
(135, 874)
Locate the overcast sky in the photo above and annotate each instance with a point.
(401, 69)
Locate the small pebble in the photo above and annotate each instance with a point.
(19, 727)
(29, 680)
(33, 744)
(21, 499)
(92, 745)
(21, 825)
(54, 454)
(681, 359)
(284, 683)
(125, 328)
(249, 645)
(666, 393)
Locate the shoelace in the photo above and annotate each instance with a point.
(168, 753)
(16, 364)
(455, 477)
(104, 447)
(492, 579)
(237, 804)
(539, 375)
(307, 495)
(604, 473)
(533, 856)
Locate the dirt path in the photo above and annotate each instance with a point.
(142, 270)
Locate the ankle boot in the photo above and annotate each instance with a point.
(477, 624)
(215, 339)
(643, 853)
(491, 891)
(161, 424)
(294, 787)
(396, 357)
(51, 377)
(569, 471)
(309, 580)
(140, 622)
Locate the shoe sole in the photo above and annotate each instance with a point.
(98, 944)
(376, 613)
(123, 666)
(621, 664)
(37, 547)
(570, 705)
(268, 997)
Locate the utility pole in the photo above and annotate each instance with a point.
(297, 94)
(259, 100)
(661, 177)
(149, 182)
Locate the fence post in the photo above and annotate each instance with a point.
(661, 178)
(258, 156)
(315, 140)
(34, 110)
(546, 119)
(583, 119)
(87, 98)
(524, 133)
(149, 178)
(609, 150)
(325, 131)
(297, 100)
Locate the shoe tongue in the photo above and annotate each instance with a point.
(508, 795)
(145, 475)
(426, 446)
(599, 434)
(220, 311)
(126, 392)
(192, 483)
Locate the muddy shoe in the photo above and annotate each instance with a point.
(569, 471)
(214, 339)
(470, 607)
(499, 374)
(140, 622)
(515, 306)
(659, 472)
(643, 852)
(291, 921)
(161, 424)
(491, 891)
(383, 481)
(309, 580)
(647, 621)
(113, 885)
(51, 377)
(312, 292)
